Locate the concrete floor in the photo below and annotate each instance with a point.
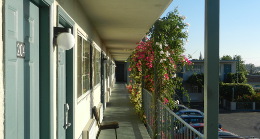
(120, 109)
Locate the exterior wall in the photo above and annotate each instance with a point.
(96, 94)
(82, 105)
(55, 76)
(1, 78)
(76, 12)
(188, 72)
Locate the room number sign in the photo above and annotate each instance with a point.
(20, 49)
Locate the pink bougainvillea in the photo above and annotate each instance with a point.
(157, 60)
(166, 76)
(165, 101)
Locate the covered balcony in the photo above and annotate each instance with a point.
(120, 25)
(120, 31)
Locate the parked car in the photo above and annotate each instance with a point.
(193, 119)
(198, 126)
(179, 107)
(190, 112)
(185, 133)
(190, 119)
(226, 134)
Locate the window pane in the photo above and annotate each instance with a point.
(86, 61)
(84, 88)
(83, 57)
(97, 66)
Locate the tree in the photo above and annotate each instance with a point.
(200, 58)
(226, 57)
(238, 77)
(240, 64)
(196, 80)
(252, 69)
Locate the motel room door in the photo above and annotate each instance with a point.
(21, 70)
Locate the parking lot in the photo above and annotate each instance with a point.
(241, 123)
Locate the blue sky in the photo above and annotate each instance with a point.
(239, 27)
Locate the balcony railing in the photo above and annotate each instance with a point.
(166, 124)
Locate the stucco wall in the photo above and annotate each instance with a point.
(83, 104)
(1, 79)
(76, 12)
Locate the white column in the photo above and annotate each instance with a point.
(2, 108)
(211, 68)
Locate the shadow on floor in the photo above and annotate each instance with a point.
(120, 109)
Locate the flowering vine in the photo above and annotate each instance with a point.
(155, 62)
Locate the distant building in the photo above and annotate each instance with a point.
(254, 80)
(196, 94)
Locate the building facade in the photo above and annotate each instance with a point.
(195, 93)
(254, 80)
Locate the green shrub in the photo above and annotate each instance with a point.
(196, 79)
(236, 78)
(226, 90)
(249, 98)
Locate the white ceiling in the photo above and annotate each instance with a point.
(123, 23)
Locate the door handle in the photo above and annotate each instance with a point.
(66, 116)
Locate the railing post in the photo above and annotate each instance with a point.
(211, 68)
(155, 98)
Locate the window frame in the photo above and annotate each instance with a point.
(80, 69)
(96, 69)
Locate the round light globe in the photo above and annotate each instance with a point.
(65, 41)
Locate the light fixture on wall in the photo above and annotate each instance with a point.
(105, 59)
(63, 38)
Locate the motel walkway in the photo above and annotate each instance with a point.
(120, 109)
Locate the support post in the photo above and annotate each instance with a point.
(211, 79)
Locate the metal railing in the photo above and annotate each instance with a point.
(244, 106)
(257, 105)
(240, 106)
(167, 124)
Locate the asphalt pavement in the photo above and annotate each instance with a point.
(245, 124)
(242, 123)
